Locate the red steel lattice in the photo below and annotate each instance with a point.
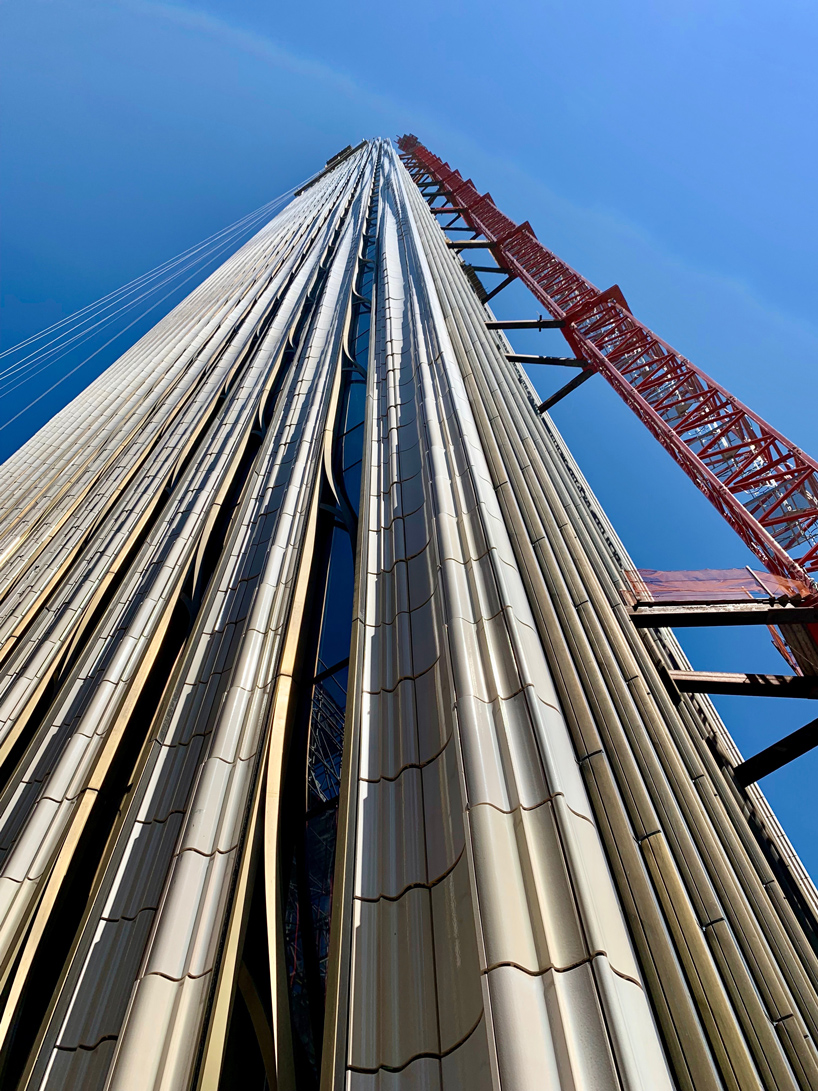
(763, 485)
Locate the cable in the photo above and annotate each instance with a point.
(235, 228)
(36, 362)
(87, 359)
(83, 330)
(29, 363)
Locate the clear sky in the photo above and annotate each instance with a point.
(665, 145)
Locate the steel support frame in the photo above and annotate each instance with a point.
(777, 755)
(503, 284)
(693, 615)
(761, 483)
(745, 685)
(585, 374)
(549, 361)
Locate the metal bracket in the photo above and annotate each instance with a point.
(526, 324)
(499, 288)
(780, 753)
(564, 391)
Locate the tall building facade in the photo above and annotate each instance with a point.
(331, 756)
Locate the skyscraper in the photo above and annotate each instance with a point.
(331, 754)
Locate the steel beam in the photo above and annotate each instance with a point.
(569, 388)
(780, 753)
(745, 685)
(468, 244)
(552, 361)
(749, 613)
(525, 324)
(499, 288)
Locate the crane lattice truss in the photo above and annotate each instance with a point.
(763, 485)
(331, 757)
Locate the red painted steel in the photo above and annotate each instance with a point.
(763, 485)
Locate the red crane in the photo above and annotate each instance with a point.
(763, 485)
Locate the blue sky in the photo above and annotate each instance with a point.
(665, 145)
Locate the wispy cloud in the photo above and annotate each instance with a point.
(613, 231)
(272, 52)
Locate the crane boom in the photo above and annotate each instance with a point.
(763, 485)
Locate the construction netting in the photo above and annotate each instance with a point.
(713, 585)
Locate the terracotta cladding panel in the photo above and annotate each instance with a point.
(530, 895)
(494, 922)
(141, 976)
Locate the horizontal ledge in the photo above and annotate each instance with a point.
(527, 324)
(750, 613)
(556, 361)
(749, 685)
